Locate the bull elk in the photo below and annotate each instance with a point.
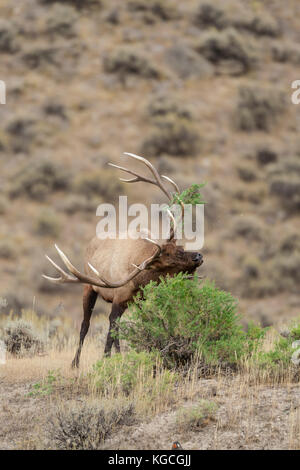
(116, 269)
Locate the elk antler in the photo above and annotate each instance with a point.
(78, 277)
(157, 182)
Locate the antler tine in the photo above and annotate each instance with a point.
(64, 278)
(133, 180)
(172, 182)
(173, 230)
(67, 278)
(154, 243)
(157, 181)
(81, 277)
(155, 173)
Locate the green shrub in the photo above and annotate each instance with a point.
(182, 319)
(85, 426)
(295, 331)
(277, 362)
(196, 416)
(259, 108)
(280, 355)
(190, 195)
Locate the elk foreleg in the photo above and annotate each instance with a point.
(116, 312)
(89, 300)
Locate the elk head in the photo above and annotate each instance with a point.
(173, 258)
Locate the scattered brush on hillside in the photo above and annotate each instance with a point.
(47, 224)
(154, 9)
(259, 108)
(85, 426)
(229, 51)
(129, 60)
(98, 183)
(266, 155)
(284, 178)
(233, 14)
(8, 40)
(249, 227)
(38, 180)
(8, 248)
(79, 4)
(61, 20)
(174, 132)
(196, 416)
(287, 52)
(165, 105)
(21, 338)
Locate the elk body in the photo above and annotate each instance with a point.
(116, 269)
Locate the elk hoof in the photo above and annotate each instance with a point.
(75, 364)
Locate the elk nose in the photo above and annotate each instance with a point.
(197, 257)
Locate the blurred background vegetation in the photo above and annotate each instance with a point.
(202, 88)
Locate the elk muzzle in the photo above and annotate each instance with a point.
(198, 259)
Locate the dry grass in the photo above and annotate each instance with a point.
(247, 409)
